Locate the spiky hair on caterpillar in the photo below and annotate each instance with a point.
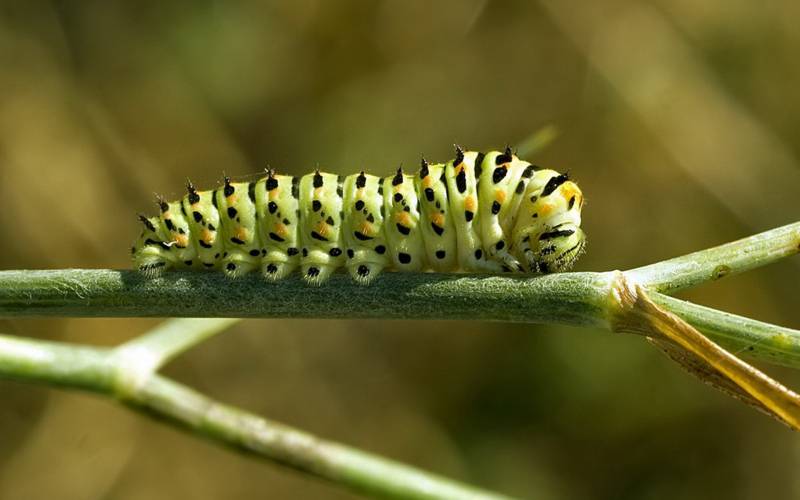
(479, 212)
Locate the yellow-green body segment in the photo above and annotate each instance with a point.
(476, 213)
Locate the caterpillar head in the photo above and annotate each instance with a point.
(548, 232)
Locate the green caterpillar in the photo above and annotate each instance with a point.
(479, 212)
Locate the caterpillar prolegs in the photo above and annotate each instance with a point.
(479, 212)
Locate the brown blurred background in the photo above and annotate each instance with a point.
(680, 120)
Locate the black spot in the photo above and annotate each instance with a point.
(361, 236)
(316, 205)
(272, 183)
(305, 252)
(406, 208)
(152, 242)
(520, 187)
(335, 252)
(272, 269)
(370, 218)
(534, 198)
(461, 181)
(275, 237)
(263, 252)
(361, 181)
(503, 158)
(181, 230)
(380, 249)
(441, 254)
(363, 270)
(214, 200)
(359, 205)
(187, 262)
(133, 250)
(404, 258)
(231, 266)
(555, 234)
(478, 254)
(170, 224)
(398, 197)
(216, 255)
(528, 172)
(229, 189)
(318, 180)
(237, 241)
(468, 215)
(350, 253)
(272, 207)
(437, 229)
(429, 194)
(544, 267)
(193, 196)
(292, 251)
(500, 245)
(548, 250)
(499, 174)
(149, 225)
(571, 202)
(251, 191)
(535, 215)
(204, 244)
(295, 187)
(312, 271)
(255, 252)
(211, 227)
(496, 207)
(403, 229)
(398, 177)
(459, 156)
(330, 221)
(383, 211)
(231, 212)
(339, 190)
(553, 183)
(423, 170)
(286, 222)
(318, 236)
(208, 264)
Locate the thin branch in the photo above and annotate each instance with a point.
(684, 272)
(95, 370)
(742, 336)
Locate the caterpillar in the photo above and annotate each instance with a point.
(480, 212)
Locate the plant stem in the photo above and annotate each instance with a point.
(94, 369)
(569, 298)
(684, 272)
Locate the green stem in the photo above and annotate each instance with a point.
(684, 272)
(568, 298)
(95, 370)
(741, 336)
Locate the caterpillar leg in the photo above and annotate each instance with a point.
(317, 274)
(236, 265)
(152, 267)
(365, 272)
(276, 270)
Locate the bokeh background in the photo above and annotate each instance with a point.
(680, 120)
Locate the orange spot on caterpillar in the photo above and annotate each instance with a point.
(366, 229)
(232, 199)
(500, 195)
(545, 209)
(470, 203)
(403, 218)
(182, 240)
(241, 233)
(281, 230)
(207, 237)
(438, 219)
(427, 181)
(322, 228)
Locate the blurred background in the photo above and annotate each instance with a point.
(679, 119)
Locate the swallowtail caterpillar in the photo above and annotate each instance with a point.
(479, 212)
